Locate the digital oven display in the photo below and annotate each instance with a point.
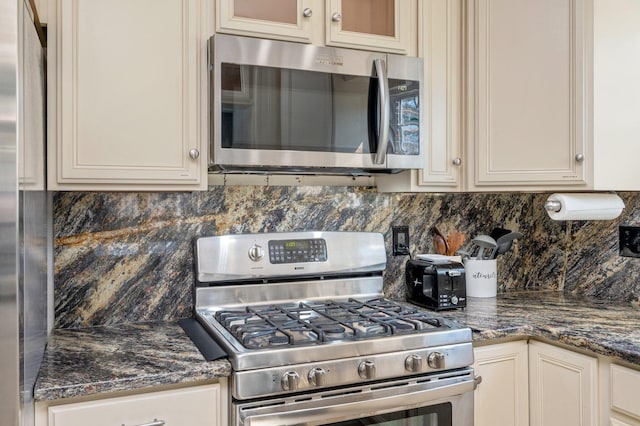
(297, 251)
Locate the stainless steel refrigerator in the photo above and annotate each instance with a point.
(25, 235)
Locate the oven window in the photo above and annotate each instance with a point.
(433, 415)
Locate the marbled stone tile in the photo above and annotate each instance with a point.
(594, 267)
(118, 358)
(128, 257)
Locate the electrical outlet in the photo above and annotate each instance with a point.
(400, 240)
(629, 237)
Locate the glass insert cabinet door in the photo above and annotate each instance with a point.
(292, 20)
(385, 25)
(378, 25)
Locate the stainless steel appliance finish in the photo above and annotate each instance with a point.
(290, 107)
(9, 339)
(23, 213)
(313, 341)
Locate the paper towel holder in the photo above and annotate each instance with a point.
(584, 206)
(553, 206)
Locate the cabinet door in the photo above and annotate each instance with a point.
(385, 25)
(198, 406)
(563, 388)
(527, 97)
(128, 102)
(295, 20)
(440, 45)
(502, 398)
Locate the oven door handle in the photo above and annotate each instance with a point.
(385, 112)
(350, 410)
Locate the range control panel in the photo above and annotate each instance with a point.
(297, 251)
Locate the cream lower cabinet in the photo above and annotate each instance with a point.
(624, 396)
(127, 98)
(502, 398)
(563, 387)
(197, 406)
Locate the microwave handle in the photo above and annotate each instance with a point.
(385, 111)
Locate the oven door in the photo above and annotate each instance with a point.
(441, 400)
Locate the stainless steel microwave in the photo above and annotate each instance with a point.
(290, 107)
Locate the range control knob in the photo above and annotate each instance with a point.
(290, 380)
(436, 360)
(367, 370)
(256, 253)
(316, 376)
(413, 363)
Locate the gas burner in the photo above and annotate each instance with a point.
(302, 323)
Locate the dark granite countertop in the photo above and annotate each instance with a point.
(97, 360)
(80, 362)
(605, 328)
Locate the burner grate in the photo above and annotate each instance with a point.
(313, 323)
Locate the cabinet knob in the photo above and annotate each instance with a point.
(194, 154)
(579, 158)
(307, 12)
(457, 161)
(336, 17)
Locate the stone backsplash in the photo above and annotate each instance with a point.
(128, 257)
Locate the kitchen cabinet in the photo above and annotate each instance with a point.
(502, 398)
(624, 393)
(440, 40)
(203, 405)
(527, 94)
(379, 25)
(553, 97)
(550, 99)
(127, 109)
(563, 386)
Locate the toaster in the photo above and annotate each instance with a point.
(436, 285)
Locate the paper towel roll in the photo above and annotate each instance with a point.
(584, 206)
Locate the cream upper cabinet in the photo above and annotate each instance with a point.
(294, 20)
(127, 109)
(440, 45)
(616, 94)
(379, 25)
(553, 94)
(563, 387)
(527, 94)
(502, 398)
(197, 406)
(388, 25)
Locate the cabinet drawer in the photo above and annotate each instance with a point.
(625, 388)
(198, 406)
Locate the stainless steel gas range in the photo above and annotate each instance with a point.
(312, 340)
